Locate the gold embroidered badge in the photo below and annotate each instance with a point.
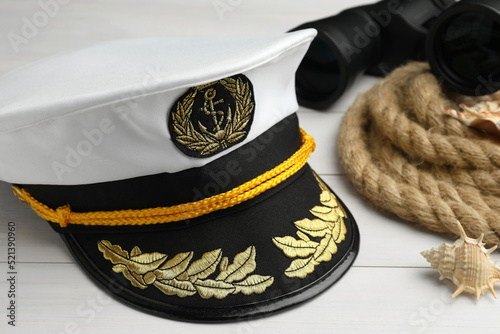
(180, 277)
(212, 117)
(328, 228)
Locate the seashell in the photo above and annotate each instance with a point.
(466, 263)
(484, 115)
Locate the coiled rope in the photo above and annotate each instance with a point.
(405, 155)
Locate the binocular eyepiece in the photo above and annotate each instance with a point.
(463, 47)
(461, 40)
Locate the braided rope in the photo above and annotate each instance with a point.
(402, 153)
(248, 190)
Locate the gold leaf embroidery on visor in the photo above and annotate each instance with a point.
(181, 277)
(328, 230)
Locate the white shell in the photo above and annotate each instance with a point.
(466, 263)
(484, 115)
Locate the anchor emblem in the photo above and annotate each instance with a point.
(209, 109)
(212, 117)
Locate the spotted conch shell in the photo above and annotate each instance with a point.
(484, 115)
(466, 263)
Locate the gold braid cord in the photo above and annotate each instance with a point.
(246, 191)
(402, 153)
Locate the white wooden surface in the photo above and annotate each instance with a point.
(390, 289)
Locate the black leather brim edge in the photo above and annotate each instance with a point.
(206, 315)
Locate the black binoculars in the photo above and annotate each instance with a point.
(461, 41)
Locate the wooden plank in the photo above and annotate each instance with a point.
(53, 298)
(77, 24)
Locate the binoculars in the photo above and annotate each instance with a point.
(460, 40)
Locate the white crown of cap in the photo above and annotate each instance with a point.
(100, 114)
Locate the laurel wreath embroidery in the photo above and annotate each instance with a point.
(178, 277)
(207, 143)
(329, 226)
